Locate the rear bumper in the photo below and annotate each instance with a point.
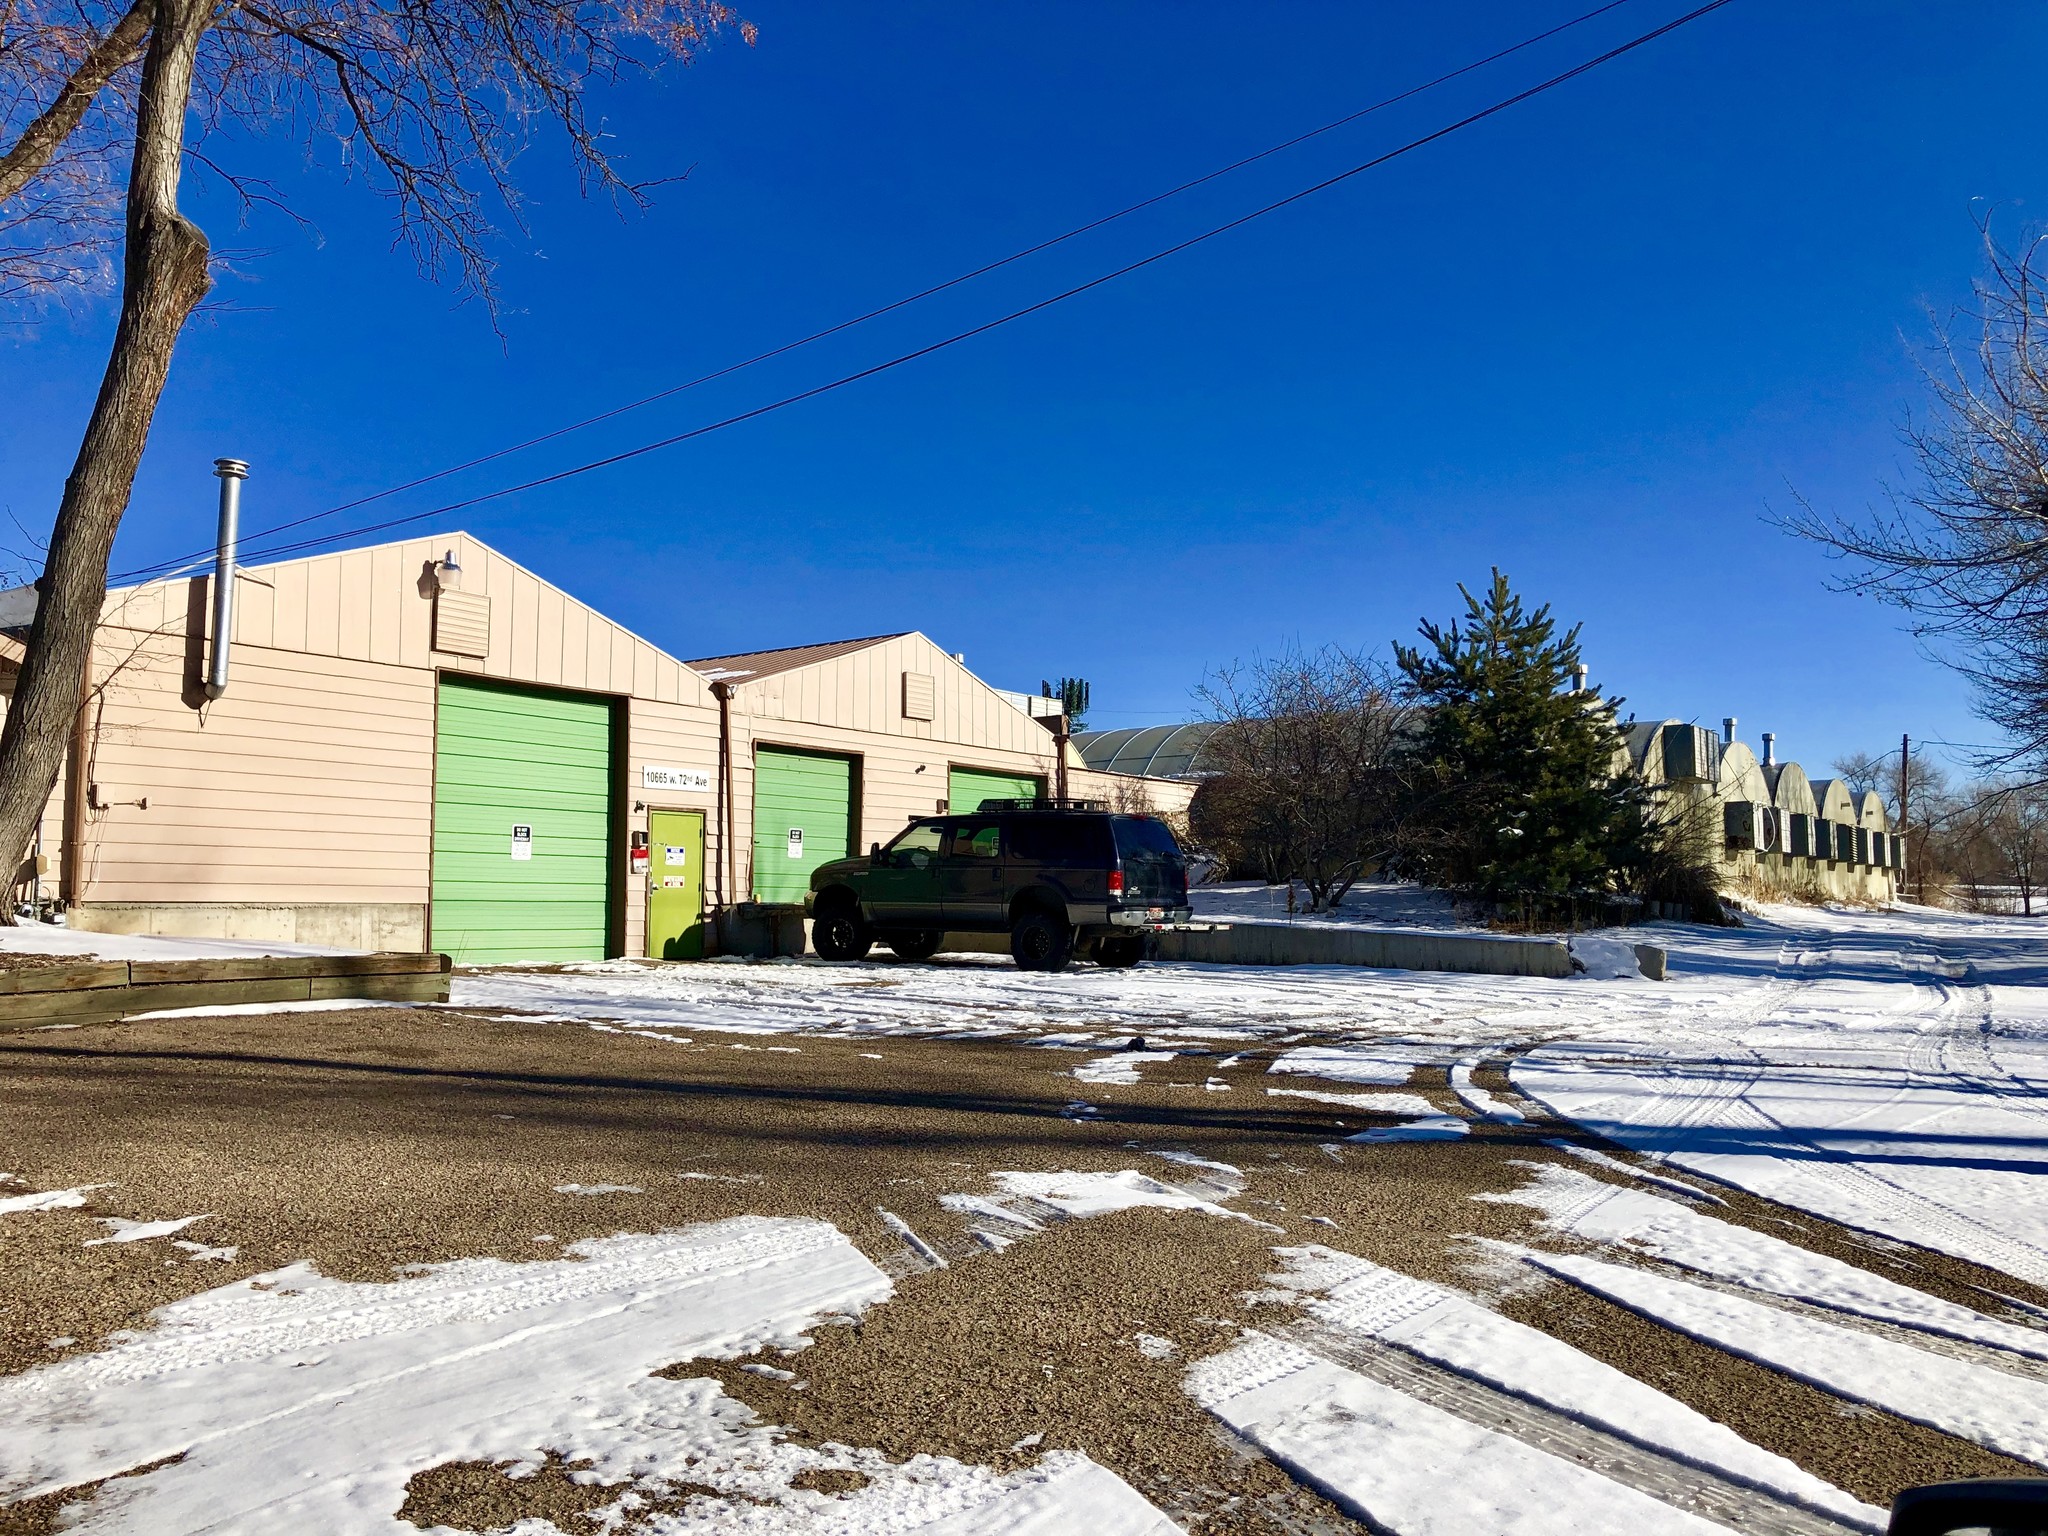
(1149, 917)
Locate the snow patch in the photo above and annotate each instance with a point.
(1605, 958)
(1120, 1069)
(1407, 1466)
(2004, 1412)
(1413, 1104)
(1080, 1195)
(120, 1230)
(298, 1402)
(1477, 1099)
(1355, 1296)
(1392, 1064)
(1434, 1128)
(48, 1199)
(1579, 1206)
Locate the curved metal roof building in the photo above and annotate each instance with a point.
(1157, 751)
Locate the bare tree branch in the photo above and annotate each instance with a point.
(42, 138)
(1965, 550)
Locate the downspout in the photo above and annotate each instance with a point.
(232, 473)
(71, 871)
(723, 692)
(1059, 757)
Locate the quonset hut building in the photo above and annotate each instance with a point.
(1769, 829)
(1775, 832)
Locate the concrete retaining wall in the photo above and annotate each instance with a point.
(1291, 944)
(96, 991)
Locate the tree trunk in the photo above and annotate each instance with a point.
(41, 139)
(164, 276)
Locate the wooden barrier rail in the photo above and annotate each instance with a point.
(94, 992)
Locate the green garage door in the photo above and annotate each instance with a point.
(966, 788)
(522, 824)
(803, 817)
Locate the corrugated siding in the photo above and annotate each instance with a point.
(310, 781)
(507, 758)
(378, 605)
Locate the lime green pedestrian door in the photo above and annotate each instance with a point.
(966, 788)
(675, 885)
(522, 824)
(803, 817)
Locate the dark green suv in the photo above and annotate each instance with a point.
(1056, 876)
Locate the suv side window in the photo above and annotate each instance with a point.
(1061, 842)
(976, 840)
(914, 849)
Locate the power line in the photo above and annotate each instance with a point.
(1017, 314)
(925, 293)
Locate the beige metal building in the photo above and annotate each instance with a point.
(423, 744)
(1773, 832)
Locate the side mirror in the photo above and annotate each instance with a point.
(2018, 1505)
(874, 853)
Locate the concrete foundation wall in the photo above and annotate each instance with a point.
(390, 926)
(1286, 944)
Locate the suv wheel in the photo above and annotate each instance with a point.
(1041, 942)
(1120, 952)
(921, 945)
(841, 936)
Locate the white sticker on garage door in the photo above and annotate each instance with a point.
(671, 854)
(796, 842)
(522, 841)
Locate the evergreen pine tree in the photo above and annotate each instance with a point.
(1527, 799)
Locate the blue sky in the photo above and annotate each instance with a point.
(1596, 341)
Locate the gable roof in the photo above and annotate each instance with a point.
(749, 665)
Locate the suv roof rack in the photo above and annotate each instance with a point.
(1044, 804)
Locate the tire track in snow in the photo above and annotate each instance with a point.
(1681, 1484)
(1721, 1095)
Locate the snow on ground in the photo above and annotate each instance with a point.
(1477, 1099)
(121, 1230)
(53, 939)
(1411, 1467)
(1372, 1103)
(2005, 1412)
(1579, 1206)
(44, 1199)
(978, 995)
(1887, 1070)
(1392, 1062)
(1078, 1195)
(297, 1402)
(1120, 1068)
(1362, 1298)
(1606, 956)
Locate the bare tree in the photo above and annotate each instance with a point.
(431, 102)
(1965, 551)
(1308, 778)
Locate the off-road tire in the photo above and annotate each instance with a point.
(1041, 942)
(841, 936)
(920, 945)
(1120, 952)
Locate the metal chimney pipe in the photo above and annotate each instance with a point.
(232, 472)
(1579, 675)
(1770, 749)
(1728, 731)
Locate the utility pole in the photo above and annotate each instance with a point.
(1905, 758)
